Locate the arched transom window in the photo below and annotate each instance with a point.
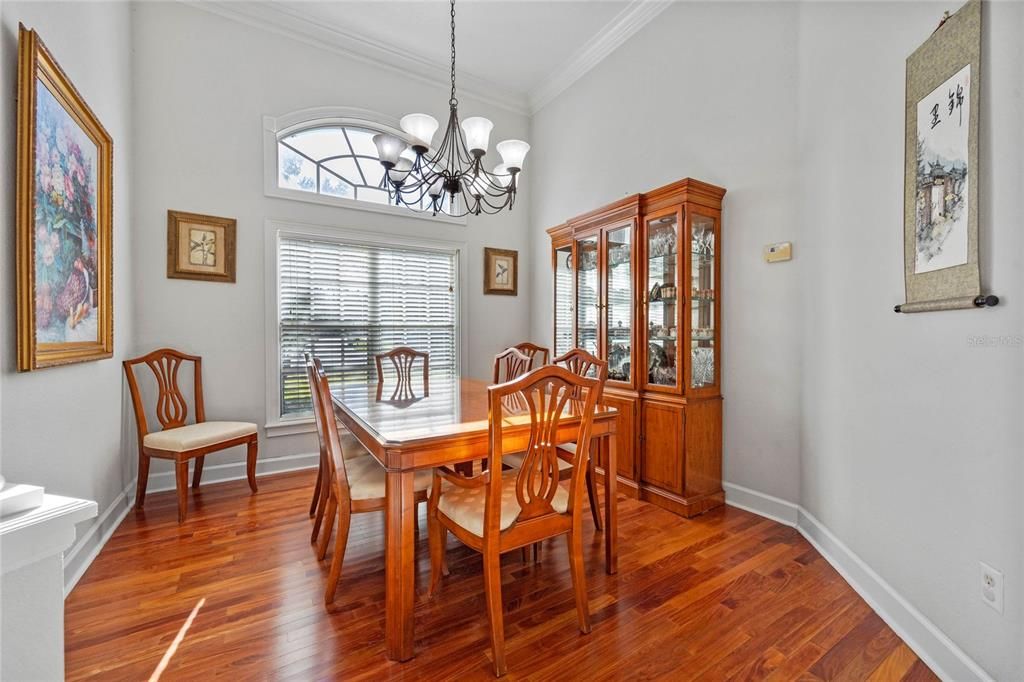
(335, 161)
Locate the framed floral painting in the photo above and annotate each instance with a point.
(64, 217)
(200, 247)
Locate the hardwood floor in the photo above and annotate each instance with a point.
(727, 595)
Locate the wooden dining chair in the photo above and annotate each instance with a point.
(497, 512)
(356, 480)
(321, 491)
(538, 354)
(582, 363)
(178, 441)
(510, 364)
(402, 360)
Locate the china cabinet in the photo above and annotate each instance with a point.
(637, 283)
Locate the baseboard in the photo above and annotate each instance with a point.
(759, 503)
(81, 554)
(86, 548)
(232, 471)
(931, 645)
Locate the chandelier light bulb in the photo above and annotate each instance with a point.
(421, 127)
(513, 152)
(478, 134)
(389, 148)
(436, 188)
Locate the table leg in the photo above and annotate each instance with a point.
(399, 565)
(611, 509)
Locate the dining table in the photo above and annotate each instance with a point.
(449, 425)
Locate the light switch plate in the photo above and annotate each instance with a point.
(780, 251)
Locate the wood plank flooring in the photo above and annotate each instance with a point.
(726, 596)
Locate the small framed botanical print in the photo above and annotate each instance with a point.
(200, 247)
(501, 272)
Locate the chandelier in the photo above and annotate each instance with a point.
(450, 179)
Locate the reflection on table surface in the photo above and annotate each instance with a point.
(455, 405)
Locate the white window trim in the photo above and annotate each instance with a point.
(274, 229)
(277, 128)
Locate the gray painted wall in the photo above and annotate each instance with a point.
(61, 427)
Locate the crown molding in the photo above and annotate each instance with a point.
(286, 21)
(617, 31)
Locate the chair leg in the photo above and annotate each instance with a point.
(142, 481)
(325, 537)
(437, 541)
(321, 507)
(316, 489)
(495, 613)
(250, 463)
(181, 484)
(340, 543)
(595, 505)
(574, 541)
(197, 472)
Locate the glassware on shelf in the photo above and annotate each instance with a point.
(702, 295)
(563, 300)
(619, 297)
(662, 287)
(587, 293)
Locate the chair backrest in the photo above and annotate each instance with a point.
(550, 394)
(510, 364)
(402, 359)
(171, 404)
(327, 427)
(579, 361)
(538, 354)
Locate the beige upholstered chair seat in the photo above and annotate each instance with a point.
(199, 435)
(516, 461)
(465, 506)
(366, 478)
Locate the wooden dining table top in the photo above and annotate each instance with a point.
(455, 408)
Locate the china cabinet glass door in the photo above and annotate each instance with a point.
(702, 301)
(587, 294)
(619, 303)
(563, 300)
(663, 279)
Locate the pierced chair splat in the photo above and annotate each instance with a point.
(403, 359)
(510, 364)
(177, 440)
(538, 354)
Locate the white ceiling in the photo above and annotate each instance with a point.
(516, 53)
(514, 45)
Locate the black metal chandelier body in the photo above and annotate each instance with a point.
(450, 178)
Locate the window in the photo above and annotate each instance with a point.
(346, 300)
(335, 161)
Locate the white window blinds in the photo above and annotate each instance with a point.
(345, 302)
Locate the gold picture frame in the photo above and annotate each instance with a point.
(501, 272)
(64, 191)
(200, 247)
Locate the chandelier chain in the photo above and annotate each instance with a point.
(453, 101)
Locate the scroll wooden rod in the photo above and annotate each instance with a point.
(980, 301)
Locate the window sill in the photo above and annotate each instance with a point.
(290, 427)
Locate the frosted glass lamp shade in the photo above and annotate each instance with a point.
(478, 133)
(436, 187)
(421, 127)
(401, 170)
(512, 153)
(389, 148)
(502, 175)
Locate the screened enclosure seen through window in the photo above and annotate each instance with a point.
(347, 301)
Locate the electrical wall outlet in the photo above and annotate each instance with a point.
(991, 586)
(773, 253)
